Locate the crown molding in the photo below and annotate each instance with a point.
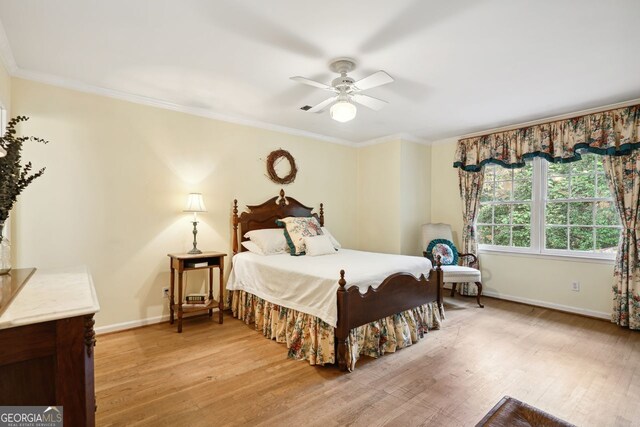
(394, 137)
(153, 102)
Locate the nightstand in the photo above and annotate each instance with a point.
(188, 262)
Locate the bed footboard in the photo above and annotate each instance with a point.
(397, 293)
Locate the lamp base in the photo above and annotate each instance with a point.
(194, 251)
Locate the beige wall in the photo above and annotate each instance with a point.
(393, 196)
(415, 195)
(117, 178)
(522, 278)
(379, 227)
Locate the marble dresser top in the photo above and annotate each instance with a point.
(52, 294)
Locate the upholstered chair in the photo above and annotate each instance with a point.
(453, 273)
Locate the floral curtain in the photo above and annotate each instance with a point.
(309, 338)
(470, 184)
(614, 133)
(623, 174)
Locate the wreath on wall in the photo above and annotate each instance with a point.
(276, 157)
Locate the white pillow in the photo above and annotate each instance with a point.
(335, 243)
(269, 240)
(318, 245)
(252, 247)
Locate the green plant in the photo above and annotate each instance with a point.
(14, 177)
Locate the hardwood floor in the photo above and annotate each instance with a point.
(583, 370)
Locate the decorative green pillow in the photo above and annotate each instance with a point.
(446, 249)
(296, 229)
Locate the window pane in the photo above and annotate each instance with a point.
(606, 214)
(558, 168)
(485, 234)
(503, 174)
(556, 238)
(487, 192)
(525, 173)
(502, 235)
(501, 214)
(586, 165)
(583, 186)
(521, 214)
(558, 187)
(522, 190)
(581, 238)
(602, 188)
(581, 213)
(503, 190)
(490, 172)
(485, 216)
(522, 236)
(556, 213)
(607, 239)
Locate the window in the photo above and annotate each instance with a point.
(547, 208)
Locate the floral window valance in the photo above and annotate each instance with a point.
(614, 132)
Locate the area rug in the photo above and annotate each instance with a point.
(513, 413)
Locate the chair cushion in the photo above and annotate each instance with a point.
(460, 274)
(446, 249)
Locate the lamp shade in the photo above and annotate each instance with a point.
(343, 111)
(195, 203)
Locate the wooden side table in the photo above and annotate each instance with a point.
(186, 262)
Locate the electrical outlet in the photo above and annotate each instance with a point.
(165, 292)
(575, 286)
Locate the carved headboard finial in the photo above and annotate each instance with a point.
(283, 200)
(322, 214)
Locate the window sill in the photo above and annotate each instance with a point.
(549, 256)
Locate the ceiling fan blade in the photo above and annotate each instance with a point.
(369, 101)
(378, 78)
(313, 83)
(324, 104)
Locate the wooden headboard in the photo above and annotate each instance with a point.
(264, 215)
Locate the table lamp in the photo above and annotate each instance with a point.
(195, 204)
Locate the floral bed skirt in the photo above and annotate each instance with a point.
(309, 338)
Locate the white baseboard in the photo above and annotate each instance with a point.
(545, 304)
(116, 327)
(165, 318)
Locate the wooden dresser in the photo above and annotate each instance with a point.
(47, 341)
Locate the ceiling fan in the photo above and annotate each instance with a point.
(347, 90)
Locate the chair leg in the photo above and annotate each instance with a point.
(453, 289)
(479, 285)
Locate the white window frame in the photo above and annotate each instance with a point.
(538, 225)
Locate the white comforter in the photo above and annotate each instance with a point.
(309, 284)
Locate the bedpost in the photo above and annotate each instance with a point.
(439, 276)
(235, 226)
(322, 214)
(342, 331)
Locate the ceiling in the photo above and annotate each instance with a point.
(460, 66)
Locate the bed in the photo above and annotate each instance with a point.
(339, 298)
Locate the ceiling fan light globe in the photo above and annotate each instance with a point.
(343, 111)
